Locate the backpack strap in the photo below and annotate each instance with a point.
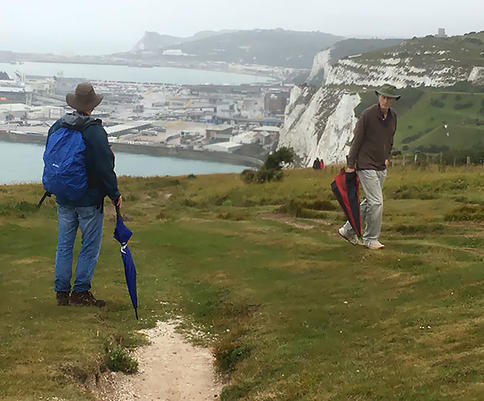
(46, 194)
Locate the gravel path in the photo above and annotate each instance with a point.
(170, 369)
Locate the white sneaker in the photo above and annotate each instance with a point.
(373, 244)
(352, 239)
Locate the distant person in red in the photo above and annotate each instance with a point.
(321, 164)
(317, 164)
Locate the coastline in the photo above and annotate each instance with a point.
(150, 150)
(239, 68)
(273, 74)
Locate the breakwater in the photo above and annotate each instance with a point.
(152, 150)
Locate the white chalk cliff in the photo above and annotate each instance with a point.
(320, 117)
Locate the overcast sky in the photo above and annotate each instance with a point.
(104, 26)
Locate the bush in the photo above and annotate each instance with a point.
(283, 155)
(248, 175)
(462, 106)
(120, 360)
(437, 103)
(270, 171)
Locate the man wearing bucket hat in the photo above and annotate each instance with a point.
(369, 155)
(87, 211)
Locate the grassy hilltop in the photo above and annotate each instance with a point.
(437, 120)
(292, 312)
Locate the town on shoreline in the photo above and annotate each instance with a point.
(227, 123)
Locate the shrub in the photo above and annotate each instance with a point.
(270, 171)
(462, 106)
(248, 175)
(437, 103)
(283, 155)
(120, 360)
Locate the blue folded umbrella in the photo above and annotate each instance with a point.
(122, 234)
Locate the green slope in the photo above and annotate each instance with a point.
(430, 51)
(424, 113)
(291, 311)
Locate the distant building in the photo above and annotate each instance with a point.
(223, 132)
(228, 147)
(45, 113)
(275, 102)
(13, 111)
(14, 92)
(441, 33)
(128, 128)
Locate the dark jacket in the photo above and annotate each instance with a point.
(101, 177)
(373, 139)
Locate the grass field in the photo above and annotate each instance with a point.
(436, 120)
(292, 312)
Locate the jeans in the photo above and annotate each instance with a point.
(90, 220)
(371, 209)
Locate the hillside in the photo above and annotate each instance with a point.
(153, 41)
(259, 274)
(275, 47)
(342, 49)
(437, 121)
(429, 61)
(448, 72)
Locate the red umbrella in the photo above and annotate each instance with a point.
(346, 187)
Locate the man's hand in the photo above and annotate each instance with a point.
(118, 202)
(350, 170)
(387, 162)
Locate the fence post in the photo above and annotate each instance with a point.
(468, 161)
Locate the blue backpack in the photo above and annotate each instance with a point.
(65, 173)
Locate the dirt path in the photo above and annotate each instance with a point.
(170, 369)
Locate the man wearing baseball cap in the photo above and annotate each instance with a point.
(369, 155)
(85, 213)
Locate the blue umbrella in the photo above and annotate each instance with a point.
(122, 234)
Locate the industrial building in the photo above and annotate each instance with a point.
(219, 133)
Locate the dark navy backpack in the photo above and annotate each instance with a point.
(65, 173)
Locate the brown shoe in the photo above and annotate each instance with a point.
(62, 298)
(85, 298)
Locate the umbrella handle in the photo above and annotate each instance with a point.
(118, 211)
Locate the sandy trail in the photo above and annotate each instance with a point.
(170, 369)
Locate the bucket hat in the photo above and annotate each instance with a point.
(388, 91)
(84, 99)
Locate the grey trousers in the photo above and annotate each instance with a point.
(371, 208)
